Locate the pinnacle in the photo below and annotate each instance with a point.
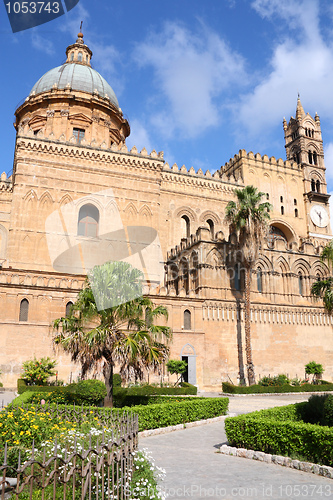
(300, 113)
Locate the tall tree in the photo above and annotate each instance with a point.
(248, 217)
(111, 323)
(324, 288)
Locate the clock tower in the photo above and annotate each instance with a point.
(304, 145)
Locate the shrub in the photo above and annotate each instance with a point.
(314, 369)
(116, 380)
(253, 389)
(165, 414)
(280, 431)
(87, 392)
(37, 372)
(328, 411)
(150, 390)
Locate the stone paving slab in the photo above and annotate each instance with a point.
(195, 469)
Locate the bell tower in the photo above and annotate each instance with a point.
(304, 146)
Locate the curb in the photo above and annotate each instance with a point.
(231, 395)
(181, 427)
(318, 470)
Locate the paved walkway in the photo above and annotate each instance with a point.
(195, 470)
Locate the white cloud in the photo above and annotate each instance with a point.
(191, 71)
(303, 63)
(41, 43)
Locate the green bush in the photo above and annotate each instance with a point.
(37, 372)
(165, 414)
(278, 380)
(328, 411)
(253, 389)
(87, 392)
(122, 399)
(116, 380)
(281, 433)
(150, 390)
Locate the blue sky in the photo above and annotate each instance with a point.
(198, 80)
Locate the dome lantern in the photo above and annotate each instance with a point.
(78, 52)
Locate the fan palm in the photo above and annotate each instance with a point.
(324, 288)
(102, 330)
(248, 217)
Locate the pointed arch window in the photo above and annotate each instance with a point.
(282, 210)
(68, 308)
(300, 284)
(296, 212)
(186, 228)
(187, 320)
(24, 310)
(259, 280)
(88, 221)
(79, 57)
(211, 227)
(315, 159)
(313, 185)
(310, 156)
(318, 186)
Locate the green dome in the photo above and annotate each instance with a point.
(79, 77)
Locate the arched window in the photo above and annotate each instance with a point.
(300, 284)
(211, 227)
(313, 185)
(295, 201)
(281, 199)
(68, 308)
(282, 210)
(186, 229)
(24, 310)
(72, 56)
(88, 221)
(237, 280)
(296, 212)
(298, 157)
(187, 319)
(310, 156)
(79, 58)
(315, 157)
(259, 280)
(318, 186)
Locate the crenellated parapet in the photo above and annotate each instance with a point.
(6, 184)
(117, 153)
(229, 169)
(182, 175)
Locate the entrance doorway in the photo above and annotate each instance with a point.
(188, 354)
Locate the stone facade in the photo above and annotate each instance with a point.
(71, 155)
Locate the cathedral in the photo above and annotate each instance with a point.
(78, 197)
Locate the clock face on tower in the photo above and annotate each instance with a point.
(319, 216)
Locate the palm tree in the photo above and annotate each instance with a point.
(248, 217)
(324, 288)
(108, 324)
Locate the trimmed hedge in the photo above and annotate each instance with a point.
(146, 390)
(119, 401)
(155, 415)
(253, 389)
(281, 431)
